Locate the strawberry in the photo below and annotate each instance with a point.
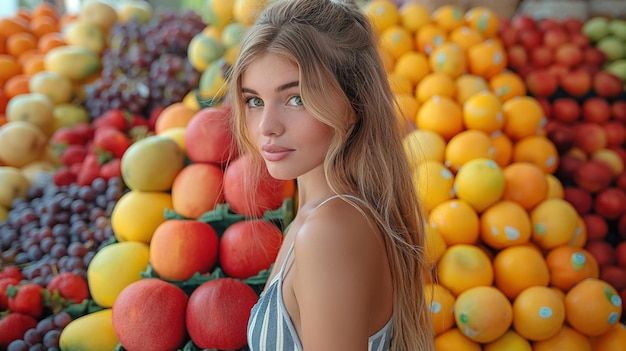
(154, 115)
(11, 272)
(137, 121)
(4, 285)
(89, 170)
(66, 136)
(73, 154)
(85, 131)
(13, 327)
(27, 298)
(115, 118)
(111, 169)
(64, 176)
(75, 169)
(71, 287)
(112, 140)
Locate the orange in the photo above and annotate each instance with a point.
(507, 85)
(16, 85)
(504, 148)
(467, 85)
(433, 182)
(413, 65)
(593, 307)
(422, 145)
(526, 184)
(407, 107)
(429, 37)
(538, 313)
(570, 265)
(397, 40)
(400, 84)
(483, 313)
(413, 16)
(510, 341)
(523, 117)
(435, 83)
(33, 64)
(43, 25)
(172, 116)
(456, 221)
(19, 43)
(50, 41)
(519, 267)
(382, 14)
(614, 339)
(486, 58)
(434, 247)
(441, 303)
(480, 182)
(448, 58)
(554, 223)
(12, 25)
(483, 20)
(464, 266)
(555, 187)
(448, 17)
(8, 67)
(538, 150)
(44, 9)
(465, 37)
(454, 340)
(483, 111)
(441, 115)
(468, 145)
(505, 224)
(566, 339)
(580, 235)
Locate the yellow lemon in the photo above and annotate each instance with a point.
(413, 65)
(413, 16)
(434, 183)
(382, 14)
(480, 182)
(467, 85)
(423, 145)
(137, 214)
(247, 11)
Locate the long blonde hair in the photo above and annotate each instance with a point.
(335, 49)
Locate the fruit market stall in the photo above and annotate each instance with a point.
(122, 199)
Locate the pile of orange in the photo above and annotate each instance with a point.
(511, 270)
(25, 38)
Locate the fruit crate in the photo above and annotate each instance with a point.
(555, 9)
(608, 8)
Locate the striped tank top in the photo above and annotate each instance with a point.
(270, 327)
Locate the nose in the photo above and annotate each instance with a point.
(271, 121)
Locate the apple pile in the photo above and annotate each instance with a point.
(609, 35)
(585, 106)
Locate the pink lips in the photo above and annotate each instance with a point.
(275, 153)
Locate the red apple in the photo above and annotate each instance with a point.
(548, 23)
(530, 38)
(596, 110)
(581, 199)
(523, 21)
(555, 37)
(508, 36)
(602, 251)
(558, 70)
(517, 57)
(615, 133)
(572, 25)
(620, 181)
(589, 137)
(594, 56)
(614, 275)
(593, 176)
(577, 152)
(541, 56)
(591, 69)
(503, 24)
(607, 85)
(618, 110)
(620, 251)
(620, 151)
(568, 55)
(561, 134)
(576, 83)
(596, 225)
(610, 158)
(566, 109)
(610, 203)
(545, 106)
(568, 164)
(541, 83)
(579, 39)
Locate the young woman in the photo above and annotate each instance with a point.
(310, 99)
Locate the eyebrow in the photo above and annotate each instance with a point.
(278, 90)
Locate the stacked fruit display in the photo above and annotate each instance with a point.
(147, 210)
(609, 35)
